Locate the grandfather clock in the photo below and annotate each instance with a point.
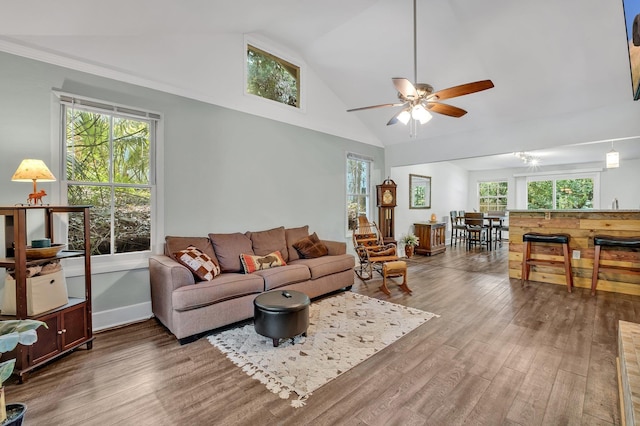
(386, 200)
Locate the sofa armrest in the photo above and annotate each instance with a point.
(166, 275)
(335, 247)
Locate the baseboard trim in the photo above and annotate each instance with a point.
(121, 316)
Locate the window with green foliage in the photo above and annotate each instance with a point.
(272, 78)
(492, 196)
(358, 177)
(108, 165)
(561, 194)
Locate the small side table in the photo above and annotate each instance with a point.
(280, 314)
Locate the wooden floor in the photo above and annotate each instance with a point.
(498, 354)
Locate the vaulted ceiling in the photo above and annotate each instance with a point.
(547, 58)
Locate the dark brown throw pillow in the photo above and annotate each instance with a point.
(311, 247)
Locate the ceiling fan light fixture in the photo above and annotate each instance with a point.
(404, 117)
(421, 114)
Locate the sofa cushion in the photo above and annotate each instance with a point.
(224, 287)
(285, 275)
(265, 242)
(327, 265)
(292, 236)
(228, 248)
(175, 244)
(252, 263)
(199, 263)
(311, 247)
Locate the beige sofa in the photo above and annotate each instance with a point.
(189, 307)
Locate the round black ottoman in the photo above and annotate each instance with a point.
(280, 314)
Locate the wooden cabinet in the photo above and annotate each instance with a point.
(431, 237)
(69, 325)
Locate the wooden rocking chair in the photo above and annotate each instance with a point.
(371, 251)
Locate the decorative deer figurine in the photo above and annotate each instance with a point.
(36, 196)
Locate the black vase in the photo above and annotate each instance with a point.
(15, 414)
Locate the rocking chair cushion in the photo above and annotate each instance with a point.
(381, 251)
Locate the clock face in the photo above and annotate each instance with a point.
(387, 197)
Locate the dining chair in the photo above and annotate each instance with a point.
(477, 233)
(457, 228)
(497, 225)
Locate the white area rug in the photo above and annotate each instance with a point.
(344, 330)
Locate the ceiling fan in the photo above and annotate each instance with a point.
(419, 98)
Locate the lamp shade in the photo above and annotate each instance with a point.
(613, 159)
(31, 170)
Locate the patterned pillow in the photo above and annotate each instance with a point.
(257, 263)
(199, 263)
(311, 247)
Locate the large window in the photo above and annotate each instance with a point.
(560, 193)
(358, 178)
(108, 164)
(271, 77)
(492, 196)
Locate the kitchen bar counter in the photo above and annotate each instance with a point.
(581, 225)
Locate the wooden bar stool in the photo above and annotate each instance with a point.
(527, 261)
(607, 241)
(397, 268)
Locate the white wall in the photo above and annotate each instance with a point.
(224, 171)
(449, 188)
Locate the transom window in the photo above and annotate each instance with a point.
(108, 153)
(271, 77)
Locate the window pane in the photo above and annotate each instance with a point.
(540, 194)
(574, 194)
(271, 77)
(99, 197)
(132, 219)
(357, 177)
(130, 151)
(492, 196)
(356, 206)
(87, 146)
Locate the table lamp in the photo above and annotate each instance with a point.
(31, 170)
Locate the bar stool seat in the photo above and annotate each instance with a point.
(527, 260)
(608, 241)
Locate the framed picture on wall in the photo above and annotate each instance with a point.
(632, 23)
(419, 192)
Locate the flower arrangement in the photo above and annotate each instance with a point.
(409, 239)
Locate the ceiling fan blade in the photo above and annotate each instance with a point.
(406, 88)
(394, 119)
(463, 89)
(373, 106)
(445, 109)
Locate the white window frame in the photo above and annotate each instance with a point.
(595, 176)
(113, 262)
(364, 158)
(492, 181)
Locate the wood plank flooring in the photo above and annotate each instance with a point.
(498, 355)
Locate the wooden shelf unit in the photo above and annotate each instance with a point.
(70, 325)
(431, 237)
